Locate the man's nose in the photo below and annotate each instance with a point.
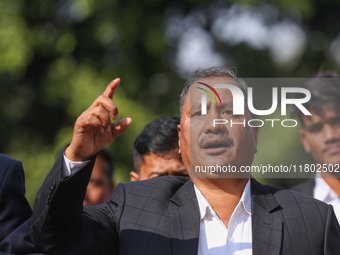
(211, 126)
(331, 133)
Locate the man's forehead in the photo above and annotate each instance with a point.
(198, 104)
(158, 164)
(153, 158)
(323, 115)
(211, 82)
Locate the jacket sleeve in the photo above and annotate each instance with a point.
(60, 224)
(14, 208)
(18, 242)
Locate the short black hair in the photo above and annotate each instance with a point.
(204, 73)
(160, 137)
(325, 94)
(108, 162)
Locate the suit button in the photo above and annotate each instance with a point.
(50, 192)
(53, 185)
(47, 200)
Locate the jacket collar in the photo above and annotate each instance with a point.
(266, 227)
(185, 220)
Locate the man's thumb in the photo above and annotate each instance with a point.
(119, 127)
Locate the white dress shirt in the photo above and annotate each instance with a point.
(324, 193)
(215, 238)
(71, 167)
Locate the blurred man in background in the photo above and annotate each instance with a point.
(320, 136)
(156, 151)
(101, 186)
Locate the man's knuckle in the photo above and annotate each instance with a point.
(88, 119)
(101, 97)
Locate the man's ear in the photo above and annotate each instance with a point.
(179, 134)
(304, 140)
(255, 134)
(134, 176)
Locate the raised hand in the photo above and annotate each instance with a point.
(93, 129)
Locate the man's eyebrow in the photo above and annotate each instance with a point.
(198, 105)
(313, 125)
(227, 104)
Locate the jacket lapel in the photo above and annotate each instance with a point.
(266, 228)
(184, 220)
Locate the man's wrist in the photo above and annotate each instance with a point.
(70, 155)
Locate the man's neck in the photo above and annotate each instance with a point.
(333, 182)
(223, 194)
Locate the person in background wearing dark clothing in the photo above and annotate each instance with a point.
(320, 136)
(15, 212)
(156, 151)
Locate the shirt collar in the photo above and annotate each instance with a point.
(322, 191)
(243, 205)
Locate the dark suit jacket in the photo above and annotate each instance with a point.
(306, 188)
(161, 216)
(15, 212)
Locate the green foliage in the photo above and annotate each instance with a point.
(15, 41)
(57, 56)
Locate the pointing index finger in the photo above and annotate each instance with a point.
(111, 88)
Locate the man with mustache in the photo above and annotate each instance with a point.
(208, 213)
(320, 136)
